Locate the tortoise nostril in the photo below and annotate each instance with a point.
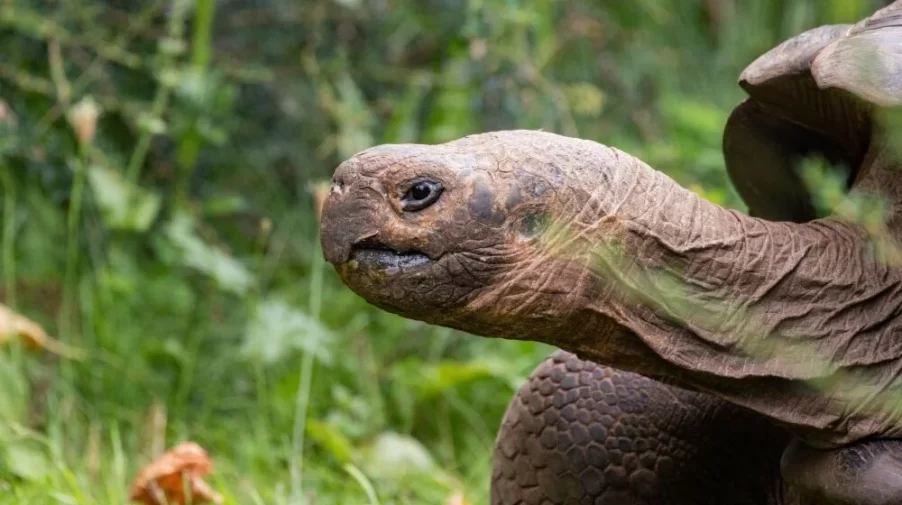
(338, 186)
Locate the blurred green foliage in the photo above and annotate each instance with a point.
(177, 243)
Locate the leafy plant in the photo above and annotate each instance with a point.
(156, 160)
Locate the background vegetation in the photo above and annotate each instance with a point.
(175, 244)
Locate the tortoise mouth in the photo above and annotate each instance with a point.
(373, 254)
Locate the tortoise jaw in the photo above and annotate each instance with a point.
(389, 260)
(389, 277)
(371, 253)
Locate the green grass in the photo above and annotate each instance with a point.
(294, 398)
(179, 248)
(301, 428)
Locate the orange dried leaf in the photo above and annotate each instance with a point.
(176, 478)
(32, 334)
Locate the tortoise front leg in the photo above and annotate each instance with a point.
(865, 473)
(578, 433)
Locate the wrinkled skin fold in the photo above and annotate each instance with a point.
(543, 237)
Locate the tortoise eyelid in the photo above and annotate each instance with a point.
(421, 194)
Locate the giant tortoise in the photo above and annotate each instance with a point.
(708, 356)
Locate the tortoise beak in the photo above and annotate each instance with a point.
(346, 220)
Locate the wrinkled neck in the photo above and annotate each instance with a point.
(775, 316)
(693, 279)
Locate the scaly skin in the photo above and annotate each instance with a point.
(578, 433)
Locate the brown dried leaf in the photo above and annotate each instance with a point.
(162, 482)
(32, 334)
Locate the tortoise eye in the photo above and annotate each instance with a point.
(421, 195)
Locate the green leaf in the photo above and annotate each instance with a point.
(330, 437)
(124, 205)
(278, 330)
(152, 124)
(396, 456)
(229, 273)
(26, 459)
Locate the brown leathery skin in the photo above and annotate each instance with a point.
(779, 315)
(578, 433)
(867, 473)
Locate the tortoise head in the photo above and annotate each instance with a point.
(451, 234)
(397, 216)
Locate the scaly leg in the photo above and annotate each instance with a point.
(579, 433)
